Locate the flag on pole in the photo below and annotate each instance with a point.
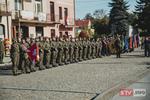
(33, 53)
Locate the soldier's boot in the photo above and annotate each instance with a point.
(41, 67)
(33, 69)
(66, 62)
(71, 59)
(23, 70)
(54, 64)
(81, 57)
(60, 63)
(48, 66)
(15, 71)
(89, 57)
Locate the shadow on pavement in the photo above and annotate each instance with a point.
(6, 72)
(132, 56)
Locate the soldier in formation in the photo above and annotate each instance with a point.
(2, 50)
(53, 52)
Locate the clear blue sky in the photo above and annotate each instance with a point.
(89, 6)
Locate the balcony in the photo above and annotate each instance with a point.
(30, 17)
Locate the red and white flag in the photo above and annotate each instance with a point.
(34, 53)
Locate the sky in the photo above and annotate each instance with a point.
(89, 6)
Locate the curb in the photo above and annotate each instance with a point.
(109, 93)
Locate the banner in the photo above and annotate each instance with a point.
(33, 53)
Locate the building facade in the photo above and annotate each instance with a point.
(34, 18)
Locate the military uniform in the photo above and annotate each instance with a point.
(118, 47)
(60, 53)
(41, 55)
(98, 48)
(80, 50)
(2, 50)
(54, 53)
(25, 62)
(71, 51)
(66, 52)
(93, 50)
(89, 50)
(47, 54)
(14, 55)
(76, 51)
(84, 50)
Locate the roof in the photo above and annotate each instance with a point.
(82, 23)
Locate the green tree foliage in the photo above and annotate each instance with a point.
(143, 13)
(88, 16)
(101, 26)
(100, 22)
(118, 17)
(99, 14)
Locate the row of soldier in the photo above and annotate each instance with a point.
(53, 52)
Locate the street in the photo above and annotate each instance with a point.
(87, 80)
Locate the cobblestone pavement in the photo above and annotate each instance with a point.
(82, 81)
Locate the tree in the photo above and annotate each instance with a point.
(88, 16)
(101, 26)
(118, 17)
(143, 13)
(100, 13)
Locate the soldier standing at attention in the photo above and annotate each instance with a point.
(93, 49)
(41, 53)
(76, 50)
(80, 45)
(50, 53)
(98, 48)
(47, 53)
(60, 51)
(25, 62)
(118, 47)
(54, 52)
(89, 49)
(66, 51)
(14, 55)
(84, 49)
(71, 50)
(2, 50)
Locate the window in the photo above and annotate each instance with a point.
(60, 12)
(52, 11)
(18, 5)
(39, 31)
(52, 33)
(66, 12)
(66, 15)
(38, 6)
(2, 30)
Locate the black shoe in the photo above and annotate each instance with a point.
(55, 65)
(41, 67)
(48, 66)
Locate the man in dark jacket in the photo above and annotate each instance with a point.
(118, 47)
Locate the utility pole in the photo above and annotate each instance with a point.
(7, 18)
(74, 14)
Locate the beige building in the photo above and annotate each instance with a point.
(32, 18)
